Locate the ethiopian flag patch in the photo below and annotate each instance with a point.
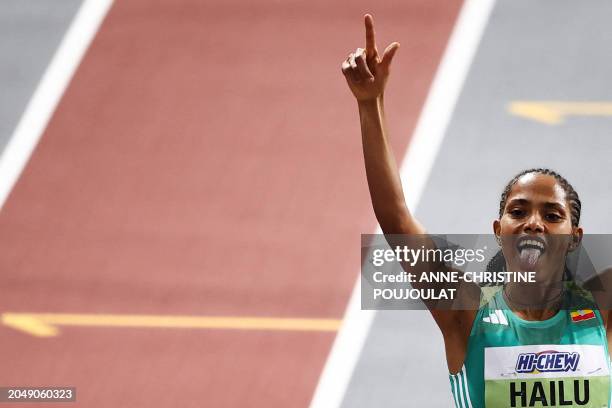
(584, 314)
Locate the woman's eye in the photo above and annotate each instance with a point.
(516, 212)
(553, 217)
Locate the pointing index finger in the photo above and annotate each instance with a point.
(370, 36)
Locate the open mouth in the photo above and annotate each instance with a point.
(530, 249)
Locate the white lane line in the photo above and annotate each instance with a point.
(54, 82)
(427, 139)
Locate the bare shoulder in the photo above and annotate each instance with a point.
(456, 322)
(455, 315)
(600, 286)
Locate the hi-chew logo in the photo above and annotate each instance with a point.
(547, 362)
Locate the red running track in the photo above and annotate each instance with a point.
(205, 160)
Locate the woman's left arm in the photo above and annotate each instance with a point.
(601, 289)
(609, 331)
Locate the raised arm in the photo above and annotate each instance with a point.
(367, 73)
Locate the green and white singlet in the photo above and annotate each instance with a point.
(559, 362)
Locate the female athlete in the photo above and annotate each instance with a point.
(543, 345)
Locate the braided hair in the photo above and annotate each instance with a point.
(570, 194)
(498, 262)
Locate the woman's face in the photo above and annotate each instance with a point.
(536, 227)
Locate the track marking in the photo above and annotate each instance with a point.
(555, 112)
(422, 151)
(49, 92)
(45, 324)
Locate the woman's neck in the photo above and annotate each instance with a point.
(534, 302)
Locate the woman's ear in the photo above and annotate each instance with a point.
(577, 234)
(497, 229)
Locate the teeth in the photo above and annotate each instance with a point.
(531, 242)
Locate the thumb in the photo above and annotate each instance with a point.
(388, 55)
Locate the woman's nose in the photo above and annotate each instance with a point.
(534, 224)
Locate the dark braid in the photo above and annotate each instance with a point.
(570, 193)
(498, 262)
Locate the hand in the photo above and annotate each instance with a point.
(366, 72)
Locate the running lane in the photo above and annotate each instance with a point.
(204, 161)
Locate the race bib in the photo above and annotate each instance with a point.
(547, 376)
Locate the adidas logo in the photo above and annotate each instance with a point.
(496, 317)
